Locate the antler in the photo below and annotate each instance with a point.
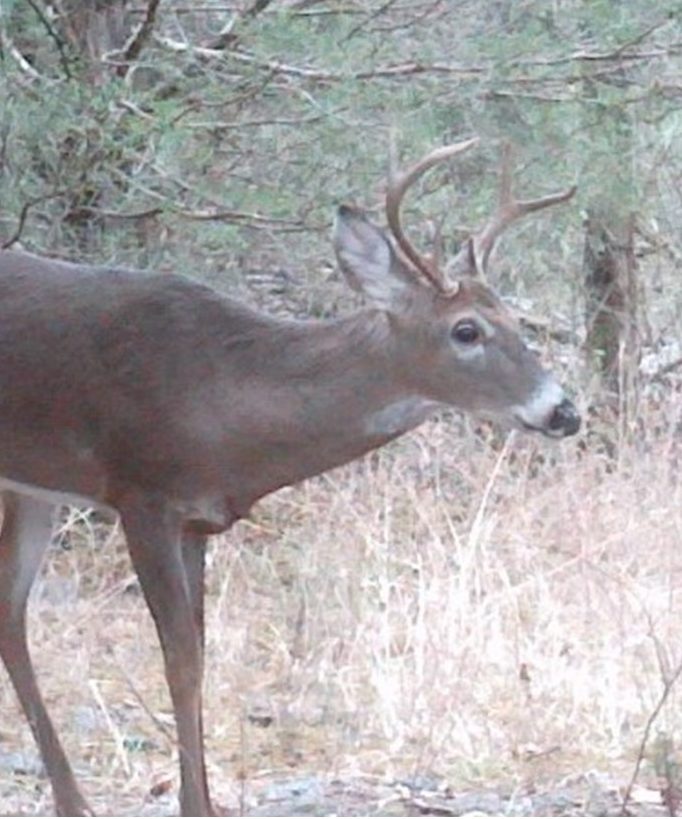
(398, 186)
(473, 257)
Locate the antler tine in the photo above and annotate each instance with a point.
(508, 210)
(397, 188)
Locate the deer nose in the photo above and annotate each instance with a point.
(565, 418)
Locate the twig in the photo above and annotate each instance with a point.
(413, 20)
(227, 36)
(668, 368)
(116, 214)
(255, 123)
(249, 92)
(215, 213)
(277, 67)
(21, 61)
(239, 217)
(326, 12)
(133, 108)
(111, 725)
(493, 94)
(134, 46)
(135, 691)
(617, 53)
(668, 685)
(23, 215)
(547, 327)
(252, 220)
(64, 60)
(372, 16)
(189, 9)
(383, 71)
(256, 8)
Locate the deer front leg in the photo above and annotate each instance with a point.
(24, 537)
(155, 542)
(194, 560)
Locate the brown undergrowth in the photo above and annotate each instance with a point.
(478, 609)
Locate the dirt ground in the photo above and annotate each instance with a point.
(589, 794)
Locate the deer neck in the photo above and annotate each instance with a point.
(334, 391)
(357, 381)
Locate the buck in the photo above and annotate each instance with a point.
(178, 408)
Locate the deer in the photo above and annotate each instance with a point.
(176, 408)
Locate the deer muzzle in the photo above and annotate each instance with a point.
(565, 419)
(548, 411)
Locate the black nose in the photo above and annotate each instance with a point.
(565, 418)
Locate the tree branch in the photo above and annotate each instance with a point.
(133, 48)
(277, 67)
(256, 8)
(668, 684)
(59, 42)
(23, 216)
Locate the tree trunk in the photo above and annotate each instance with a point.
(613, 337)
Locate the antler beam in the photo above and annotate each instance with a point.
(397, 188)
(476, 253)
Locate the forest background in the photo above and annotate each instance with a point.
(465, 609)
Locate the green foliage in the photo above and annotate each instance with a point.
(269, 133)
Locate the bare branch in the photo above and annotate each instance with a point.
(277, 67)
(668, 685)
(547, 328)
(255, 221)
(115, 214)
(23, 216)
(217, 125)
(256, 8)
(382, 9)
(618, 53)
(385, 72)
(133, 48)
(59, 42)
(19, 58)
(661, 373)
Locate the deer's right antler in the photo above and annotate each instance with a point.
(473, 257)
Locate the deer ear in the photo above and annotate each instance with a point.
(367, 259)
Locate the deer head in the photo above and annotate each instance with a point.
(461, 345)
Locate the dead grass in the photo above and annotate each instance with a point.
(486, 612)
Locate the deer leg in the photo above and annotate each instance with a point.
(155, 543)
(24, 537)
(194, 558)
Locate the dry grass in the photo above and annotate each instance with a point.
(486, 612)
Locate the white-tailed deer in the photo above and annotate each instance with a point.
(176, 407)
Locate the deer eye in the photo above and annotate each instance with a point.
(466, 331)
